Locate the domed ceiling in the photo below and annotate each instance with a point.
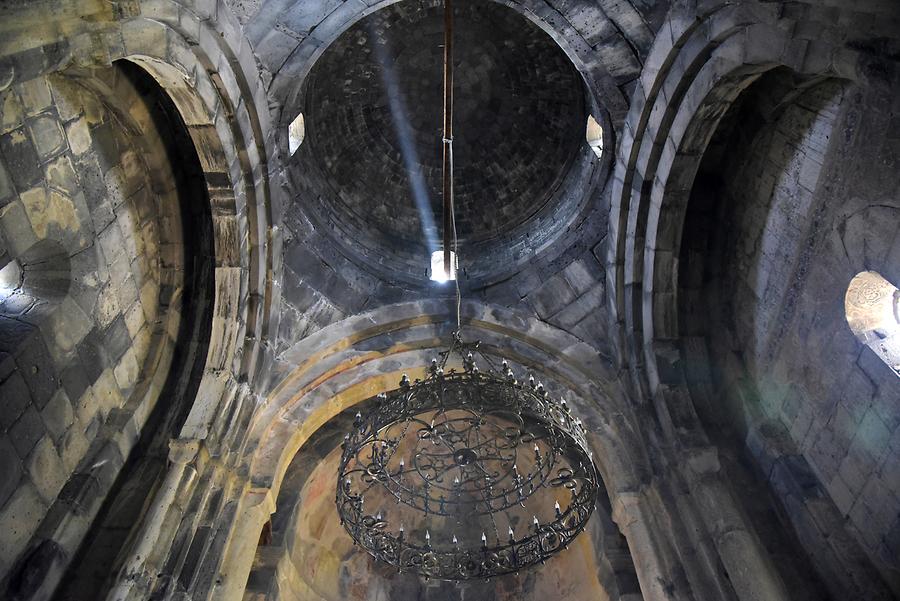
(370, 166)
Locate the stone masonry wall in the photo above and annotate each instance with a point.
(81, 166)
(810, 201)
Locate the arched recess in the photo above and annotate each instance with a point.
(140, 432)
(350, 361)
(197, 52)
(199, 77)
(306, 554)
(195, 68)
(710, 60)
(107, 274)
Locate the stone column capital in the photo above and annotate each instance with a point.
(625, 508)
(185, 450)
(260, 498)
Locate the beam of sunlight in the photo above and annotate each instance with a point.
(404, 133)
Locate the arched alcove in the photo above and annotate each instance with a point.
(310, 556)
(788, 280)
(762, 281)
(732, 275)
(351, 361)
(122, 309)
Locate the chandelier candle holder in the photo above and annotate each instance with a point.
(466, 474)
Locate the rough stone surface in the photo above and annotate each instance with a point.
(696, 319)
(797, 227)
(82, 248)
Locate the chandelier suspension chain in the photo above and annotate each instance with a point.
(450, 261)
(448, 133)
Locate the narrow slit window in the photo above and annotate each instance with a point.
(296, 133)
(595, 136)
(872, 307)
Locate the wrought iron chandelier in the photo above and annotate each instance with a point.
(467, 473)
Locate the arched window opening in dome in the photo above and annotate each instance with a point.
(296, 133)
(594, 136)
(437, 267)
(872, 307)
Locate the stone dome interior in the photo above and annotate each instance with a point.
(370, 166)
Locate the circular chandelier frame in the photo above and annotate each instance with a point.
(449, 448)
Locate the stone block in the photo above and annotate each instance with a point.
(106, 392)
(67, 98)
(73, 379)
(36, 366)
(60, 175)
(95, 194)
(65, 329)
(127, 371)
(112, 242)
(35, 95)
(82, 491)
(7, 365)
(93, 355)
(127, 294)
(46, 470)
(26, 432)
(144, 38)
(14, 398)
(872, 434)
(86, 410)
(886, 406)
(72, 448)
(589, 302)
(10, 468)
(11, 111)
(856, 467)
(79, 136)
(116, 339)
(108, 308)
(21, 158)
(841, 495)
(47, 135)
(18, 521)
(551, 297)
(134, 319)
(16, 228)
(12, 332)
(7, 190)
(58, 415)
(52, 213)
(583, 274)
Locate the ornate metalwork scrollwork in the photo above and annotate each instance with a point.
(466, 474)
